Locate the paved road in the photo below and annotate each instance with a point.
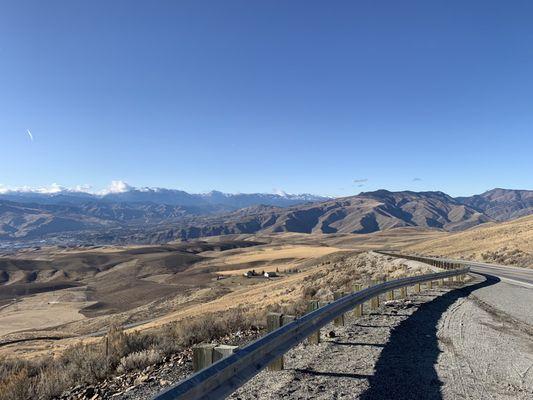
(522, 275)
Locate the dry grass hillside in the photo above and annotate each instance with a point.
(509, 243)
(44, 369)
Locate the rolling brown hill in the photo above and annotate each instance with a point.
(115, 280)
(509, 243)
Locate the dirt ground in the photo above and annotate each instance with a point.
(43, 310)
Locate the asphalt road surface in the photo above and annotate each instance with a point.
(523, 275)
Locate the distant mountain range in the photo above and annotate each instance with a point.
(31, 214)
(159, 215)
(170, 197)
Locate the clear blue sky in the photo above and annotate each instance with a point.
(248, 96)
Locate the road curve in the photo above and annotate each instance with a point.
(522, 275)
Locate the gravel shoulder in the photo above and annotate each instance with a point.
(445, 343)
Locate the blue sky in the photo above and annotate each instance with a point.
(247, 96)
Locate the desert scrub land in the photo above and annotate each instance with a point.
(121, 351)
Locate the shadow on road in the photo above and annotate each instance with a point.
(330, 374)
(406, 366)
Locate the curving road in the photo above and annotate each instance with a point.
(521, 275)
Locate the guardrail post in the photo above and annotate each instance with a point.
(274, 321)
(417, 288)
(287, 319)
(390, 295)
(339, 320)
(314, 338)
(202, 356)
(222, 351)
(358, 311)
(374, 301)
(403, 292)
(430, 284)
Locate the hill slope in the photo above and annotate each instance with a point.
(502, 204)
(508, 243)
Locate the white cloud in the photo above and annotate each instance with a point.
(55, 188)
(280, 192)
(82, 188)
(51, 189)
(117, 187)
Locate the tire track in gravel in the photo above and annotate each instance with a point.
(490, 350)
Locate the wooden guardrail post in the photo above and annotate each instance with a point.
(358, 311)
(403, 292)
(202, 356)
(314, 338)
(374, 301)
(223, 351)
(430, 284)
(274, 321)
(390, 295)
(287, 319)
(339, 320)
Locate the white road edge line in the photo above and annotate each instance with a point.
(507, 279)
(515, 281)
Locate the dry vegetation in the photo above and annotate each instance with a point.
(120, 351)
(115, 353)
(508, 243)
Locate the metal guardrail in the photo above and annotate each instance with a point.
(225, 376)
(444, 263)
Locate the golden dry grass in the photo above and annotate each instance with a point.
(268, 258)
(515, 234)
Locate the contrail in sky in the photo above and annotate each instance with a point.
(29, 133)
